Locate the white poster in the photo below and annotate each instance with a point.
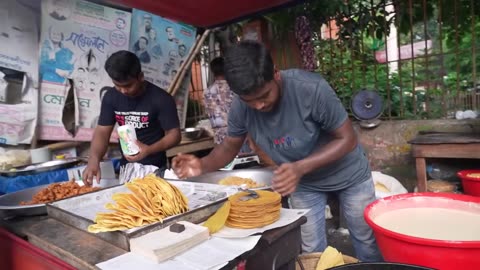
(76, 39)
(18, 72)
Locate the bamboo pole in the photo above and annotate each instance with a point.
(177, 81)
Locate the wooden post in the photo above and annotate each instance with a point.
(177, 81)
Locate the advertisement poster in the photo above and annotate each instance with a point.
(76, 39)
(161, 45)
(18, 72)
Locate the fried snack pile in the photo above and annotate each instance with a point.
(152, 199)
(58, 191)
(238, 181)
(474, 175)
(252, 213)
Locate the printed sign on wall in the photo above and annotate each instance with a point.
(76, 39)
(161, 44)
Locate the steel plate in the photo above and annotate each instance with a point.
(260, 175)
(10, 203)
(42, 167)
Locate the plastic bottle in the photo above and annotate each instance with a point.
(440, 171)
(128, 136)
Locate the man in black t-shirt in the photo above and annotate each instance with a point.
(138, 103)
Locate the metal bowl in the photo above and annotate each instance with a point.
(41, 167)
(260, 175)
(10, 203)
(192, 133)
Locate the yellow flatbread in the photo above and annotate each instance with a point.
(151, 200)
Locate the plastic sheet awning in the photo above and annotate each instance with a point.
(206, 13)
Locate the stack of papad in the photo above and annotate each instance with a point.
(152, 199)
(254, 213)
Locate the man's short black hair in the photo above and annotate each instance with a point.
(123, 66)
(217, 66)
(248, 66)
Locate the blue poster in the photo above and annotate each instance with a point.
(161, 45)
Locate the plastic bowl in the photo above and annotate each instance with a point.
(437, 254)
(471, 185)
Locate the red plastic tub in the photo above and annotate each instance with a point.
(471, 185)
(437, 254)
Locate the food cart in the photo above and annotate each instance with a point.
(53, 236)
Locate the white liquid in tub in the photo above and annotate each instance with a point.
(432, 223)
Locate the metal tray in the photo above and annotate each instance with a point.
(79, 212)
(260, 175)
(41, 167)
(10, 203)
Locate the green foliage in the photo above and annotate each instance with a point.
(354, 17)
(423, 87)
(349, 71)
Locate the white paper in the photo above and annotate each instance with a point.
(170, 174)
(132, 171)
(200, 194)
(287, 216)
(209, 255)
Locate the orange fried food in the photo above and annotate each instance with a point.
(58, 191)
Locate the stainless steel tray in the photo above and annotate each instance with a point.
(41, 167)
(260, 175)
(80, 211)
(10, 203)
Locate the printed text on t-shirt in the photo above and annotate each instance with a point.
(284, 143)
(138, 120)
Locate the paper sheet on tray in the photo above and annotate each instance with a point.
(287, 216)
(210, 255)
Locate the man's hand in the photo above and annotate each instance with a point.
(286, 178)
(143, 152)
(186, 166)
(92, 170)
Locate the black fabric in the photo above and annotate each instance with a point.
(151, 114)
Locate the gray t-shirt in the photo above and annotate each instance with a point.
(308, 111)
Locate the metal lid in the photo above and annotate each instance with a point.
(367, 105)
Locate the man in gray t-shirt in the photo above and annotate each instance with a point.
(296, 118)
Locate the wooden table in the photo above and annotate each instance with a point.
(191, 146)
(278, 247)
(442, 145)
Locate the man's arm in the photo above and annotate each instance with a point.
(343, 142)
(222, 154)
(172, 138)
(99, 145)
(98, 148)
(288, 175)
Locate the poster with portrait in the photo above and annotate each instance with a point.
(161, 45)
(18, 72)
(76, 39)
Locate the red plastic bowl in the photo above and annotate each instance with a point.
(471, 185)
(437, 254)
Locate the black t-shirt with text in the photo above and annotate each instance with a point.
(151, 114)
